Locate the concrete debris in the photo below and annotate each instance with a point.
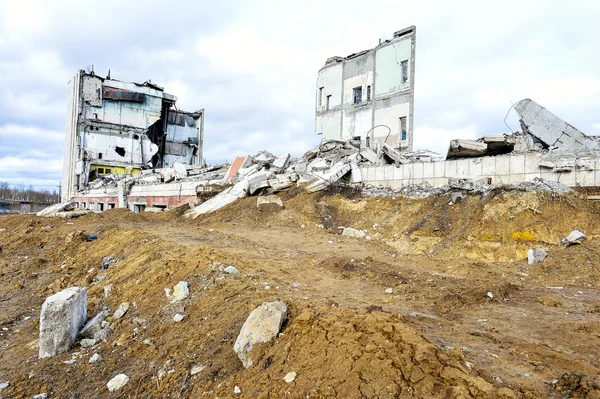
(280, 164)
(232, 270)
(178, 317)
(389, 290)
(535, 256)
(40, 396)
(53, 209)
(95, 358)
(61, 317)
(117, 382)
(4, 385)
(465, 148)
(576, 237)
(269, 203)
(354, 233)
(290, 377)
(107, 262)
(220, 200)
(237, 390)
(87, 342)
(334, 174)
(262, 326)
(94, 325)
(121, 310)
(180, 291)
(198, 368)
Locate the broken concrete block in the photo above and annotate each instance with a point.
(550, 129)
(180, 170)
(87, 342)
(264, 158)
(117, 382)
(121, 310)
(467, 184)
(238, 164)
(391, 152)
(356, 175)
(61, 317)
(334, 174)
(270, 203)
(280, 164)
(535, 256)
(180, 291)
(354, 233)
(576, 237)
(63, 207)
(369, 155)
(167, 174)
(232, 270)
(93, 325)
(254, 187)
(225, 197)
(318, 164)
(466, 148)
(261, 326)
(301, 166)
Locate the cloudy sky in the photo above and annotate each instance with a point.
(252, 65)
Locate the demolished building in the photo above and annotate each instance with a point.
(369, 96)
(117, 128)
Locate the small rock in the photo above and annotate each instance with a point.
(262, 326)
(576, 237)
(4, 385)
(270, 203)
(354, 233)
(107, 290)
(490, 295)
(117, 382)
(95, 358)
(121, 310)
(87, 342)
(237, 390)
(107, 262)
(197, 369)
(168, 292)
(40, 396)
(535, 256)
(103, 334)
(232, 270)
(178, 317)
(94, 325)
(289, 377)
(181, 291)
(389, 290)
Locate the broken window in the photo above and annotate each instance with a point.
(404, 67)
(111, 205)
(368, 93)
(328, 101)
(99, 155)
(100, 206)
(321, 96)
(403, 127)
(357, 94)
(100, 171)
(120, 151)
(107, 171)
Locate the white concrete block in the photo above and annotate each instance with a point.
(462, 167)
(532, 163)
(379, 174)
(567, 178)
(517, 164)
(428, 170)
(531, 176)
(417, 170)
(502, 166)
(550, 176)
(388, 172)
(398, 172)
(585, 178)
(439, 169)
(450, 168)
(475, 168)
(488, 165)
(61, 317)
(517, 178)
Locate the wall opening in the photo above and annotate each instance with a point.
(404, 65)
(321, 96)
(111, 205)
(120, 151)
(99, 155)
(403, 127)
(357, 94)
(328, 101)
(100, 206)
(368, 93)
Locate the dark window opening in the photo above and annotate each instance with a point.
(139, 208)
(136, 137)
(107, 171)
(321, 96)
(403, 127)
(368, 93)
(404, 66)
(111, 206)
(100, 171)
(100, 206)
(357, 94)
(328, 101)
(120, 151)
(99, 155)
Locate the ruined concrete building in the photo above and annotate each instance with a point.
(369, 95)
(119, 128)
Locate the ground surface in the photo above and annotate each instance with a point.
(439, 334)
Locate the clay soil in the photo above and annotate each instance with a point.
(468, 317)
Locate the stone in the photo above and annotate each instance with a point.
(87, 342)
(103, 334)
(4, 385)
(270, 203)
(117, 382)
(121, 310)
(535, 256)
(232, 270)
(61, 317)
(107, 262)
(354, 233)
(94, 325)
(576, 237)
(198, 368)
(466, 148)
(237, 390)
(95, 358)
(180, 291)
(389, 290)
(178, 317)
(290, 377)
(40, 396)
(107, 289)
(262, 325)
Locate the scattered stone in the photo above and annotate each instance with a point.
(178, 317)
(103, 334)
(95, 358)
(94, 325)
(107, 262)
(107, 290)
(389, 290)
(490, 295)
(232, 270)
(181, 291)
(535, 256)
(40, 396)
(168, 292)
(262, 326)
(576, 237)
(237, 390)
(117, 382)
(354, 233)
(87, 342)
(61, 317)
(4, 385)
(290, 377)
(270, 203)
(121, 310)
(197, 369)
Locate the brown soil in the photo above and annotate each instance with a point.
(438, 335)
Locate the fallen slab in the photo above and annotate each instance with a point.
(262, 326)
(460, 148)
(334, 174)
(270, 203)
(52, 209)
(217, 202)
(535, 256)
(576, 237)
(61, 317)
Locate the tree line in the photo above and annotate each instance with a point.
(22, 193)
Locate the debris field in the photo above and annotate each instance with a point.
(307, 295)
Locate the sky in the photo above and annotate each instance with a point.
(252, 65)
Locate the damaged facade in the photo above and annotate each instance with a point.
(370, 95)
(117, 128)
